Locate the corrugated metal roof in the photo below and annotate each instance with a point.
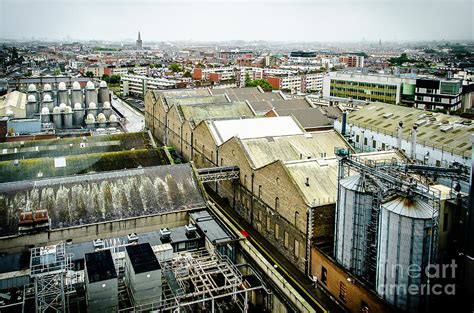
(223, 130)
(322, 176)
(415, 208)
(354, 182)
(198, 113)
(428, 132)
(262, 151)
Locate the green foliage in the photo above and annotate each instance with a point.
(399, 60)
(57, 72)
(89, 74)
(187, 74)
(263, 83)
(106, 78)
(115, 79)
(175, 67)
(130, 71)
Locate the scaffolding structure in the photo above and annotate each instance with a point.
(49, 267)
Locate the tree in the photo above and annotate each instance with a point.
(130, 71)
(187, 74)
(89, 74)
(106, 78)
(175, 67)
(57, 72)
(114, 79)
(263, 83)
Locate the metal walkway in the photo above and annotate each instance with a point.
(214, 174)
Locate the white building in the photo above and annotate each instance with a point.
(438, 140)
(138, 85)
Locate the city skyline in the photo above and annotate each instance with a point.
(305, 21)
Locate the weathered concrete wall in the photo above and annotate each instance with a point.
(93, 231)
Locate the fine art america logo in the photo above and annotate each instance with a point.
(410, 280)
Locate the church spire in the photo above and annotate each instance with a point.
(139, 36)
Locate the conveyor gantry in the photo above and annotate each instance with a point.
(213, 174)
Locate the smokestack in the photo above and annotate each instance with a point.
(362, 139)
(413, 143)
(344, 121)
(399, 137)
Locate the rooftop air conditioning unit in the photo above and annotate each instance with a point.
(165, 234)
(98, 244)
(132, 238)
(190, 230)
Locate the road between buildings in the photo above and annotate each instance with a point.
(316, 297)
(135, 120)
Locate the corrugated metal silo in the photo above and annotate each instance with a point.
(353, 218)
(403, 243)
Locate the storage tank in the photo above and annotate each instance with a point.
(142, 274)
(101, 120)
(103, 92)
(107, 109)
(92, 109)
(48, 102)
(76, 93)
(101, 282)
(57, 118)
(403, 243)
(78, 118)
(45, 118)
(68, 117)
(90, 121)
(113, 120)
(31, 106)
(91, 93)
(63, 93)
(353, 216)
(47, 90)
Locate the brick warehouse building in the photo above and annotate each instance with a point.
(275, 155)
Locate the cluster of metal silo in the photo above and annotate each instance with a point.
(72, 108)
(403, 229)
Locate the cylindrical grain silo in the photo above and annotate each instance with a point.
(107, 109)
(47, 90)
(31, 106)
(92, 109)
(63, 96)
(57, 118)
(91, 93)
(353, 216)
(68, 117)
(404, 237)
(103, 92)
(76, 93)
(45, 118)
(90, 121)
(78, 118)
(101, 120)
(48, 102)
(113, 121)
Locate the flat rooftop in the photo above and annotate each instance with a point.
(142, 258)
(100, 266)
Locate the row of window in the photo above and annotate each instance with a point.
(363, 84)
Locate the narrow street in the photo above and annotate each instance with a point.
(317, 297)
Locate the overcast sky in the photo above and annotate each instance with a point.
(295, 20)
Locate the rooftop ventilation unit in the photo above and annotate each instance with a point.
(387, 115)
(190, 230)
(420, 122)
(98, 244)
(165, 234)
(446, 128)
(132, 238)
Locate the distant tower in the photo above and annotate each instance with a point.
(139, 42)
(380, 40)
